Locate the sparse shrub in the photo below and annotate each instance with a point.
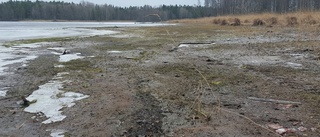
(246, 21)
(309, 20)
(236, 22)
(224, 22)
(292, 21)
(258, 22)
(272, 20)
(216, 21)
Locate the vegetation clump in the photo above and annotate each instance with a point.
(309, 20)
(224, 22)
(272, 21)
(292, 21)
(236, 22)
(258, 22)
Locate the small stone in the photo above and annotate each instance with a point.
(292, 130)
(281, 131)
(274, 126)
(313, 129)
(302, 129)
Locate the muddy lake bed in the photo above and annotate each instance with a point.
(159, 80)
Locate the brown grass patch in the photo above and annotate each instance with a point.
(309, 20)
(292, 21)
(258, 22)
(302, 19)
(236, 22)
(272, 21)
(224, 22)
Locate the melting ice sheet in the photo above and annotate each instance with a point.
(51, 99)
(3, 93)
(57, 133)
(69, 57)
(12, 55)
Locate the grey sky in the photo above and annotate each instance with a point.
(135, 2)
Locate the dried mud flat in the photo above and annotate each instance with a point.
(218, 82)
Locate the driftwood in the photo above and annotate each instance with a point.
(273, 100)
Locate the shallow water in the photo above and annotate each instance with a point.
(10, 31)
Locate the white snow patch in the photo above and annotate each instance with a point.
(183, 46)
(115, 51)
(258, 60)
(3, 93)
(7, 57)
(51, 99)
(195, 45)
(58, 49)
(69, 57)
(57, 132)
(32, 45)
(294, 65)
(59, 66)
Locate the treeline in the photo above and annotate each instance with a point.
(223, 7)
(58, 10)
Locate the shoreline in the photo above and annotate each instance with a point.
(148, 85)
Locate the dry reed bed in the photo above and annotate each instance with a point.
(267, 19)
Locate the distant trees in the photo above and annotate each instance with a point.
(58, 10)
(259, 6)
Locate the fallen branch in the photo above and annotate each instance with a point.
(273, 100)
(18, 127)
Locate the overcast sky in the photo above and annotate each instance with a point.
(127, 3)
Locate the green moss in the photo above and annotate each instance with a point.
(83, 65)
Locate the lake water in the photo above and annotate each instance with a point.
(29, 30)
(21, 54)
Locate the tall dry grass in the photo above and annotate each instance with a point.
(287, 19)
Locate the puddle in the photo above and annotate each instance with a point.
(50, 99)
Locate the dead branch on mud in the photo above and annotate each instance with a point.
(231, 112)
(249, 119)
(273, 100)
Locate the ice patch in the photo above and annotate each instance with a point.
(258, 60)
(59, 66)
(32, 45)
(3, 93)
(183, 46)
(57, 133)
(115, 51)
(294, 65)
(50, 99)
(8, 57)
(195, 45)
(57, 49)
(69, 57)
